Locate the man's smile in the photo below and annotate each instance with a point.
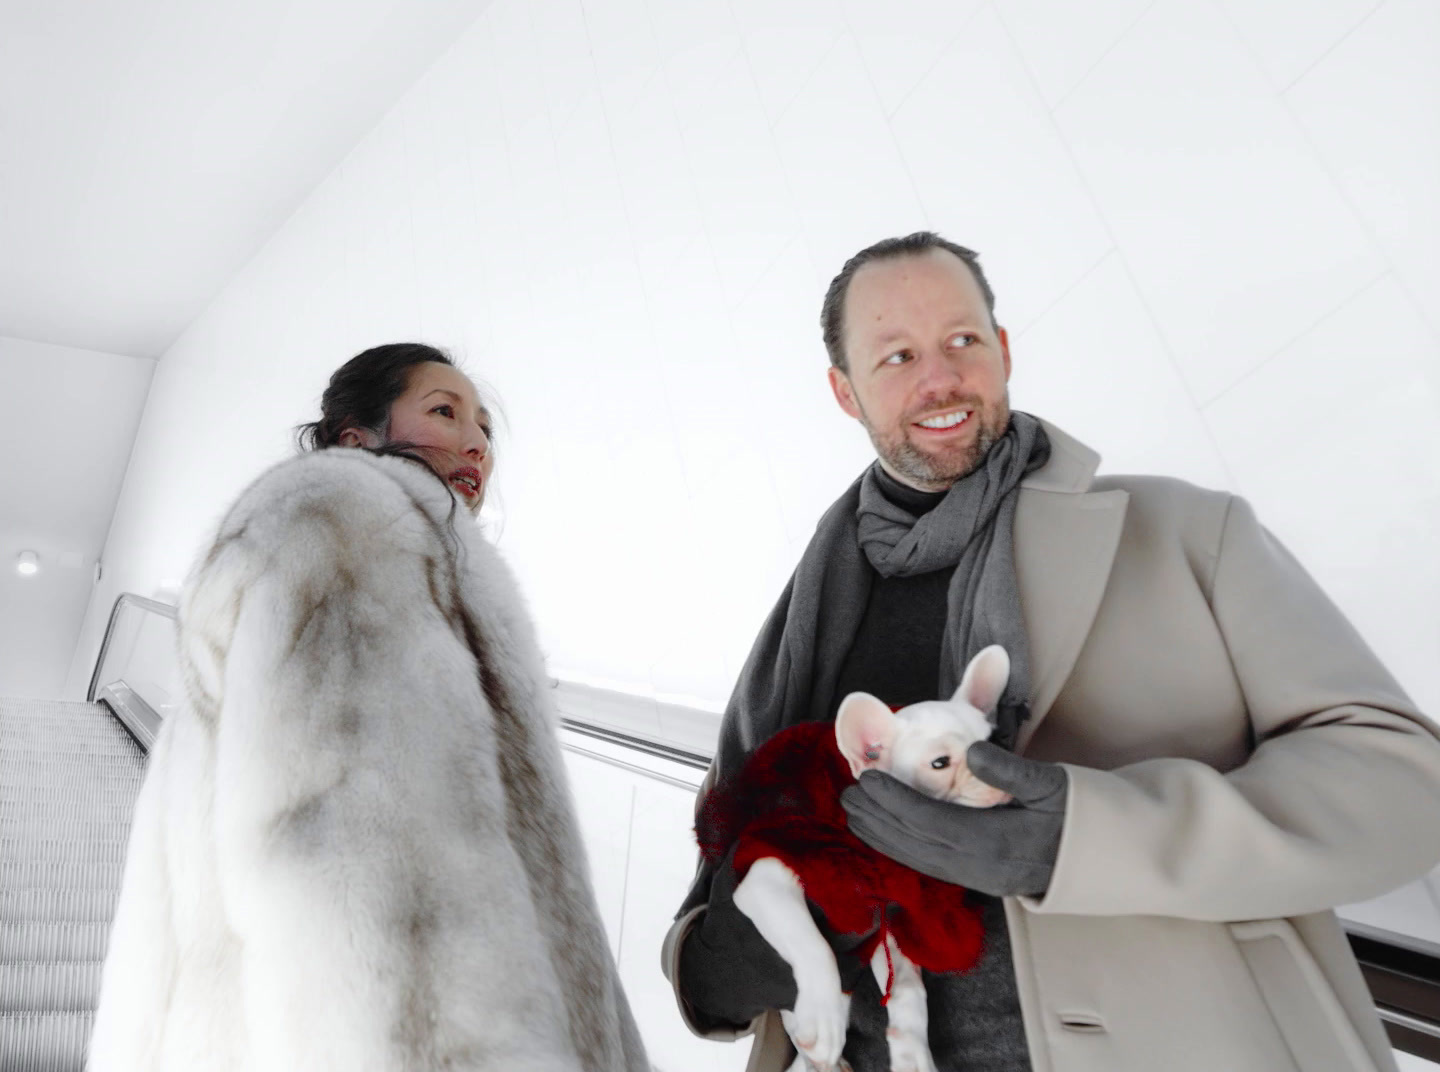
(944, 422)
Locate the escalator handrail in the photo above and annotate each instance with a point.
(125, 599)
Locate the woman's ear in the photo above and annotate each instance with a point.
(358, 437)
(865, 731)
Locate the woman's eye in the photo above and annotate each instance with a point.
(940, 762)
(447, 410)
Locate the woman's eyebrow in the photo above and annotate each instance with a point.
(483, 419)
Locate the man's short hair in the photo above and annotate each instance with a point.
(832, 312)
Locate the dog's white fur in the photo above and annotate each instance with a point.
(924, 746)
(355, 847)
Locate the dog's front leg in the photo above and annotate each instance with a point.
(772, 897)
(909, 1031)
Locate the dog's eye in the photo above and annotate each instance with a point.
(940, 762)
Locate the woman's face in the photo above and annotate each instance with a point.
(440, 412)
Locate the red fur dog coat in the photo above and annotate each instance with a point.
(785, 803)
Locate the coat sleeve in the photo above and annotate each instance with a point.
(140, 962)
(689, 918)
(1338, 802)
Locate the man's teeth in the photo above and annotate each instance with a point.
(946, 420)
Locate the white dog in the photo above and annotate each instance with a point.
(924, 746)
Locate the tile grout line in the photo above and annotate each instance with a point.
(888, 116)
(1369, 285)
(1088, 70)
(1318, 60)
(1119, 250)
(1324, 165)
(625, 881)
(946, 47)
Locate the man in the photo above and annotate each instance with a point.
(1206, 756)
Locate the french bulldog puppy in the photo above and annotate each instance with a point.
(924, 746)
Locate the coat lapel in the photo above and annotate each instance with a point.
(1065, 543)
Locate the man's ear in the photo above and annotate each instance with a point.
(865, 731)
(1004, 337)
(844, 392)
(985, 679)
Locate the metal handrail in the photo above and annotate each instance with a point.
(120, 696)
(123, 600)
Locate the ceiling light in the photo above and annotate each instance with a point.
(27, 563)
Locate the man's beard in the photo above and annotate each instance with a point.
(936, 472)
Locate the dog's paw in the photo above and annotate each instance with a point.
(909, 1054)
(802, 1064)
(817, 1025)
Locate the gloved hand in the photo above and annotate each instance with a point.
(730, 973)
(1004, 851)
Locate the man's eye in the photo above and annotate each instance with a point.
(940, 762)
(965, 338)
(897, 358)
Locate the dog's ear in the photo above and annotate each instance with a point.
(865, 730)
(984, 680)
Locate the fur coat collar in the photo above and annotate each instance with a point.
(356, 846)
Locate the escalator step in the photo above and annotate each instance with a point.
(52, 941)
(41, 770)
(19, 828)
(60, 849)
(51, 875)
(57, 906)
(58, 807)
(69, 775)
(44, 1042)
(49, 987)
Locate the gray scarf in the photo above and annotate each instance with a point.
(971, 529)
(792, 669)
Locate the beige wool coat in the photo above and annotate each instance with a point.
(1239, 763)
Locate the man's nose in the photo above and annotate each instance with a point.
(940, 370)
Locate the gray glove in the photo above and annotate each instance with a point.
(1005, 851)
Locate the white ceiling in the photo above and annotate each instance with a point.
(149, 148)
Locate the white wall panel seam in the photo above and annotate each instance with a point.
(1115, 244)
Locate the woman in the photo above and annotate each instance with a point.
(355, 847)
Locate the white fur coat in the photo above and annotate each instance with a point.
(356, 847)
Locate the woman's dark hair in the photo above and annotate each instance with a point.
(362, 390)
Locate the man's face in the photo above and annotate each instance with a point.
(927, 369)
